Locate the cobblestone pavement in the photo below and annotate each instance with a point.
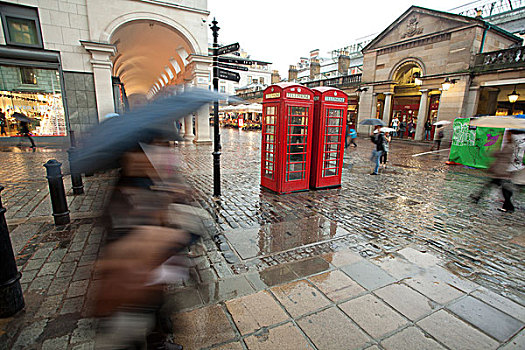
(397, 261)
(416, 200)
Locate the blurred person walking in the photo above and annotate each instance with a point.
(3, 123)
(428, 130)
(500, 171)
(378, 139)
(150, 222)
(350, 137)
(386, 146)
(23, 127)
(438, 136)
(402, 128)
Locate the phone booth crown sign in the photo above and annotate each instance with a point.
(330, 109)
(286, 137)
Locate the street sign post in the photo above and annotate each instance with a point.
(231, 66)
(228, 75)
(236, 61)
(228, 49)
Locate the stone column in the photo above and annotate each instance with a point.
(472, 103)
(388, 107)
(373, 112)
(200, 68)
(422, 115)
(102, 72)
(363, 111)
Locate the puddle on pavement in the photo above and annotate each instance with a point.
(278, 237)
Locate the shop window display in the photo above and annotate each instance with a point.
(35, 92)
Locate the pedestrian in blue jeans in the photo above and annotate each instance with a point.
(378, 138)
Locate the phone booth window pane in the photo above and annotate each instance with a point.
(270, 138)
(332, 138)
(335, 121)
(297, 130)
(270, 119)
(295, 176)
(268, 173)
(269, 156)
(296, 148)
(295, 120)
(270, 110)
(331, 156)
(334, 113)
(296, 139)
(270, 129)
(299, 111)
(333, 130)
(296, 157)
(330, 172)
(269, 147)
(333, 147)
(330, 164)
(296, 167)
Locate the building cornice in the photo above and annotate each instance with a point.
(177, 6)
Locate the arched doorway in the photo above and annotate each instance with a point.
(407, 78)
(150, 56)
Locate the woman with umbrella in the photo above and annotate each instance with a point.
(24, 127)
(149, 219)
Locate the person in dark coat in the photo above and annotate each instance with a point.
(377, 138)
(3, 123)
(23, 127)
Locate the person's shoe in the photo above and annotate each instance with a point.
(506, 210)
(374, 174)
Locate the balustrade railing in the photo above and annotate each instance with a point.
(507, 58)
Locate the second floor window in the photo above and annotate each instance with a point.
(21, 25)
(28, 76)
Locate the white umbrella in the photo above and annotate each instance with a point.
(499, 122)
(387, 129)
(442, 123)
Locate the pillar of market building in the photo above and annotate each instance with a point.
(373, 113)
(422, 115)
(199, 67)
(102, 72)
(388, 107)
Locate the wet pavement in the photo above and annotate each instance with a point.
(415, 201)
(397, 261)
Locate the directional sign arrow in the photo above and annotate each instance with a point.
(231, 66)
(227, 49)
(235, 60)
(228, 75)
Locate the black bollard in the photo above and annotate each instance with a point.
(76, 177)
(11, 297)
(57, 192)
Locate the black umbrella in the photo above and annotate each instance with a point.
(372, 121)
(113, 137)
(21, 117)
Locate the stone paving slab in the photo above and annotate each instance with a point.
(490, 320)
(455, 333)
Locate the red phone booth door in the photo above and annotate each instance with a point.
(296, 174)
(269, 147)
(329, 169)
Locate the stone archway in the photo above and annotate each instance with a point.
(149, 52)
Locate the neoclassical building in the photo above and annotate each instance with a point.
(432, 65)
(68, 63)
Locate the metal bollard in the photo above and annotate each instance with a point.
(11, 297)
(57, 192)
(76, 177)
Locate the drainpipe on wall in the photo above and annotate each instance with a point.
(484, 37)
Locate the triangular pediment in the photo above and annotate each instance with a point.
(419, 22)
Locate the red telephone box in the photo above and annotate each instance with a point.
(330, 109)
(286, 137)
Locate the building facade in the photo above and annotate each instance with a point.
(68, 63)
(423, 67)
